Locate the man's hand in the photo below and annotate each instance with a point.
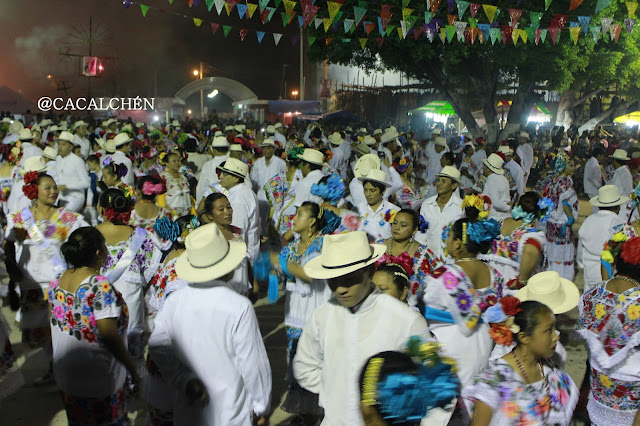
(196, 392)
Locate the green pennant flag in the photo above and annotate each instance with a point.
(285, 18)
(494, 34)
(411, 21)
(347, 23)
(547, 3)
(363, 4)
(311, 40)
(277, 2)
(209, 4)
(390, 29)
(595, 31)
(427, 17)
(462, 7)
(450, 31)
(226, 29)
(543, 35)
(405, 3)
(346, 40)
(602, 4)
(170, 1)
(337, 17)
(263, 4)
(473, 22)
(531, 32)
(271, 10)
(535, 19)
(144, 9)
(359, 13)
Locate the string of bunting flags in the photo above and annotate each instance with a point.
(341, 24)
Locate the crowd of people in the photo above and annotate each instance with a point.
(422, 275)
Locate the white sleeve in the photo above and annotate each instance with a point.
(253, 234)
(204, 182)
(307, 363)
(80, 180)
(252, 361)
(395, 180)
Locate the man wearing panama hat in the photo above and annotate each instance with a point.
(596, 230)
(311, 163)
(496, 187)
(208, 176)
(265, 168)
(80, 138)
(72, 176)
(377, 213)
(622, 178)
(339, 161)
(355, 324)
(206, 340)
(122, 142)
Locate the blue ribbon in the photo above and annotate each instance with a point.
(441, 316)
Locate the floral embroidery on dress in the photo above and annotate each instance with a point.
(74, 313)
(614, 393)
(61, 224)
(163, 283)
(507, 245)
(145, 262)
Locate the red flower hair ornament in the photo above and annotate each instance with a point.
(630, 251)
(30, 188)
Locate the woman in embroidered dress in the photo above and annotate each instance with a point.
(281, 192)
(157, 393)
(88, 328)
(132, 261)
(146, 212)
(332, 190)
(149, 161)
(524, 386)
(517, 252)
(38, 233)
(609, 322)
(112, 173)
(402, 248)
(9, 172)
(408, 197)
(561, 250)
(178, 196)
(304, 295)
(217, 209)
(456, 294)
(393, 279)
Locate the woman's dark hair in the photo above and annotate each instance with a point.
(466, 148)
(116, 169)
(82, 246)
(115, 199)
(313, 166)
(43, 175)
(393, 362)
(93, 159)
(450, 157)
(378, 185)
(398, 275)
(154, 179)
(472, 247)
(529, 318)
(165, 160)
(315, 212)
(183, 222)
(415, 217)
(597, 151)
(529, 202)
(210, 201)
(627, 269)
(190, 145)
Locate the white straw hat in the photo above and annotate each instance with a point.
(436, 131)
(365, 164)
(620, 154)
(34, 164)
(25, 135)
(122, 139)
(268, 142)
(234, 167)
(220, 142)
(342, 254)
(50, 153)
(505, 149)
(110, 146)
(312, 156)
(209, 255)
(375, 175)
(271, 129)
(452, 173)
(390, 135)
(494, 162)
(608, 196)
(369, 140)
(66, 136)
(78, 124)
(557, 293)
(524, 135)
(235, 147)
(335, 138)
(440, 141)
(377, 132)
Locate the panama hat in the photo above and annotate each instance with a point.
(505, 149)
(312, 156)
(6, 120)
(50, 153)
(369, 140)
(78, 124)
(523, 135)
(271, 129)
(110, 146)
(494, 162)
(608, 196)
(365, 164)
(436, 131)
(175, 123)
(220, 142)
(209, 255)
(348, 129)
(620, 154)
(34, 164)
(362, 130)
(268, 142)
(452, 173)
(235, 147)
(363, 149)
(342, 254)
(121, 139)
(15, 127)
(234, 167)
(375, 175)
(110, 121)
(45, 122)
(218, 133)
(440, 141)
(66, 136)
(277, 125)
(53, 128)
(25, 135)
(558, 294)
(335, 138)
(238, 128)
(377, 132)
(229, 129)
(389, 135)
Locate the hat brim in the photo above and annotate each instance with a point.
(231, 172)
(596, 202)
(364, 179)
(302, 157)
(620, 159)
(189, 273)
(124, 142)
(458, 181)
(314, 268)
(557, 305)
(493, 168)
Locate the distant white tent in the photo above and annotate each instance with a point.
(14, 102)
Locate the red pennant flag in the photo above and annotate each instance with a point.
(328, 40)
(417, 31)
(379, 40)
(264, 15)
(558, 21)
(508, 33)
(537, 37)
(369, 26)
(574, 4)
(474, 7)
(554, 31)
(467, 37)
(385, 8)
(243, 33)
(214, 28)
(308, 14)
(434, 5)
(452, 19)
(515, 16)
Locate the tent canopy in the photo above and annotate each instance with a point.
(634, 116)
(437, 107)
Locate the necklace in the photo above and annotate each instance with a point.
(466, 259)
(545, 402)
(42, 216)
(146, 201)
(628, 279)
(306, 247)
(392, 244)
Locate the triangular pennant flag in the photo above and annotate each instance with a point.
(294, 39)
(243, 33)
(285, 18)
(427, 17)
(300, 21)
(363, 42)
(558, 21)
(473, 22)
(484, 29)
(328, 41)
(209, 4)
(442, 35)
(345, 40)
(405, 3)
(434, 5)
(219, 5)
(574, 4)
(189, 3)
(462, 7)
(144, 9)
(631, 8)
(347, 23)
(417, 31)
(515, 36)
(358, 13)
(450, 31)
(214, 28)
(507, 33)
(411, 21)
(524, 36)
(311, 40)
(277, 3)
(251, 9)
(264, 15)
(403, 29)
(406, 12)
(530, 33)
(400, 33)
(535, 19)
(490, 11)
(368, 27)
(547, 3)
(474, 7)
(615, 31)
(276, 38)
(226, 29)
(170, 1)
(574, 32)
(595, 31)
(385, 8)
(515, 16)
(381, 28)
(602, 4)
(229, 5)
(537, 37)
(197, 22)
(242, 9)
(629, 24)
(451, 19)
(555, 34)
(309, 14)
(584, 23)
(271, 10)
(460, 27)
(606, 24)
(379, 40)
(327, 24)
(543, 35)
(289, 5)
(494, 33)
(334, 7)
(450, 5)
(390, 29)
(263, 4)
(473, 33)
(260, 35)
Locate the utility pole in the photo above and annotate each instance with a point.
(201, 96)
(284, 67)
(301, 65)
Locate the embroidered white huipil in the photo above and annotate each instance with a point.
(592, 177)
(261, 173)
(208, 175)
(596, 230)
(497, 189)
(438, 220)
(373, 222)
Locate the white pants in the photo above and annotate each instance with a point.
(73, 201)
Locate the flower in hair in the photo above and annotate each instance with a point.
(166, 229)
(635, 196)
(484, 231)
(333, 190)
(402, 165)
(127, 191)
(501, 318)
(112, 215)
(149, 188)
(481, 202)
(332, 222)
(546, 206)
(390, 215)
(612, 248)
(423, 225)
(630, 251)
(108, 160)
(30, 177)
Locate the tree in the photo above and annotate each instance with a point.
(468, 74)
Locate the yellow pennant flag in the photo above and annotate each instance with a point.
(574, 32)
(515, 35)
(400, 33)
(490, 11)
(251, 8)
(334, 7)
(197, 22)
(327, 23)
(406, 12)
(363, 42)
(523, 35)
(227, 7)
(289, 5)
(631, 8)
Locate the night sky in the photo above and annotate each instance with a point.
(32, 32)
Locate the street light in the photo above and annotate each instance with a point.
(189, 111)
(196, 72)
(213, 93)
(294, 93)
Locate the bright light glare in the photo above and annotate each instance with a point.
(239, 105)
(195, 72)
(156, 118)
(438, 118)
(631, 123)
(539, 118)
(189, 111)
(213, 94)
